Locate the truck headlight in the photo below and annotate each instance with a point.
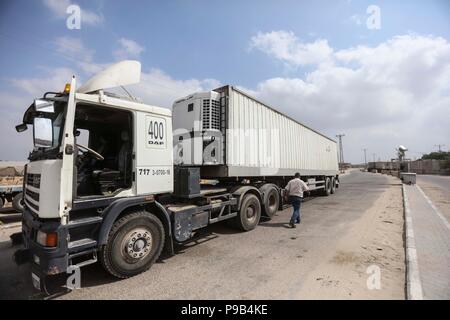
(47, 239)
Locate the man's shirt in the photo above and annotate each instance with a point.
(296, 187)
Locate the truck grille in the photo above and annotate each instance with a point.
(211, 114)
(32, 205)
(33, 180)
(31, 197)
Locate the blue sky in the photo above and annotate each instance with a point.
(258, 45)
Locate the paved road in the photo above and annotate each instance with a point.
(439, 181)
(269, 262)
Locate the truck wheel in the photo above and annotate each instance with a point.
(249, 214)
(271, 202)
(134, 243)
(1, 202)
(333, 185)
(327, 190)
(17, 202)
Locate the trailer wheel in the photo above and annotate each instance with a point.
(333, 185)
(249, 214)
(327, 189)
(271, 202)
(134, 243)
(17, 202)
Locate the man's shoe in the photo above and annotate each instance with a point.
(292, 225)
(298, 221)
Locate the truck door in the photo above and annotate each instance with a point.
(154, 157)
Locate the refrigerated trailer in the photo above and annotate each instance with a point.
(109, 179)
(228, 133)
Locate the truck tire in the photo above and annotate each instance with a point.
(327, 189)
(333, 185)
(17, 202)
(134, 243)
(1, 202)
(249, 214)
(271, 202)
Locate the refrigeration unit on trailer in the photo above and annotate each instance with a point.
(102, 184)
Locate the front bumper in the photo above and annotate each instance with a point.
(44, 260)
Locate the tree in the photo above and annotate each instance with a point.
(437, 156)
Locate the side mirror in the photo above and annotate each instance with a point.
(43, 132)
(21, 127)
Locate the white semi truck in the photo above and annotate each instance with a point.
(115, 180)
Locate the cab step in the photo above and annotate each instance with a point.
(84, 221)
(82, 244)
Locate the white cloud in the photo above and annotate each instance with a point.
(13, 146)
(397, 92)
(128, 49)
(158, 88)
(394, 93)
(73, 48)
(54, 80)
(285, 46)
(59, 7)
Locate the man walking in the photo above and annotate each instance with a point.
(295, 189)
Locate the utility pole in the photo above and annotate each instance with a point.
(365, 158)
(439, 147)
(341, 149)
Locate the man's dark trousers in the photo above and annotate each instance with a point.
(296, 203)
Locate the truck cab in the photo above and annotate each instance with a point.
(95, 156)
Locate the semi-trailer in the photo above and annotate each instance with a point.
(119, 181)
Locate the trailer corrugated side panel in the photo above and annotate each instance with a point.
(262, 141)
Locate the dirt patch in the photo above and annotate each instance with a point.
(440, 197)
(373, 247)
(343, 257)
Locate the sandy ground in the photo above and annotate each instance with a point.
(439, 196)
(374, 241)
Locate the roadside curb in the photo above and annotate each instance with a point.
(413, 283)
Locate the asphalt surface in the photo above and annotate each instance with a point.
(270, 262)
(442, 182)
